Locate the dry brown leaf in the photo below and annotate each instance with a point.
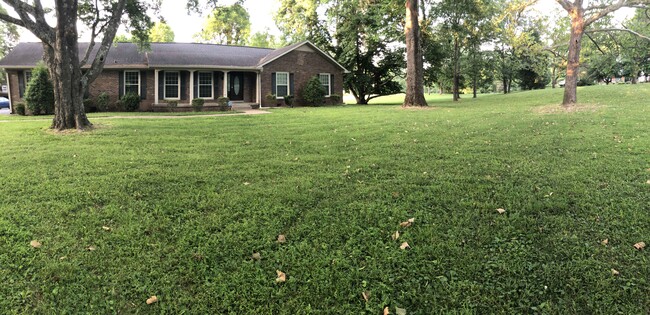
(91, 248)
(501, 211)
(386, 311)
(106, 228)
(246, 183)
(282, 238)
(400, 311)
(407, 223)
(404, 245)
(257, 256)
(282, 277)
(615, 272)
(35, 244)
(366, 295)
(639, 245)
(605, 242)
(152, 299)
(395, 235)
(648, 182)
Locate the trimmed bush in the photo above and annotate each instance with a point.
(336, 99)
(223, 103)
(171, 105)
(89, 105)
(20, 109)
(102, 102)
(313, 93)
(289, 100)
(131, 102)
(197, 104)
(39, 94)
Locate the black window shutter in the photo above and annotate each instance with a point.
(21, 83)
(196, 84)
(143, 85)
(216, 78)
(161, 85)
(121, 84)
(183, 85)
(273, 87)
(291, 85)
(331, 83)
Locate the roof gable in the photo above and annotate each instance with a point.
(278, 53)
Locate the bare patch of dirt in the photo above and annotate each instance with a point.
(559, 109)
(418, 107)
(95, 127)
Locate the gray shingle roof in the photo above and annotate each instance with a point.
(163, 55)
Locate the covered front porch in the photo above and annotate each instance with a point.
(241, 86)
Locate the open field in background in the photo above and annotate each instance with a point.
(187, 202)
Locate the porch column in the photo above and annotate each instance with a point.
(155, 86)
(191, 85)
(259, 89)
(11, 102)
(225, 83)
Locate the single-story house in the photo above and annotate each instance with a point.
(181, 72)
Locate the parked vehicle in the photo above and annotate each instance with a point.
(561, 83)
(4, 102)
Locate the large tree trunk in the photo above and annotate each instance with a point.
(414, 61)
(63, 63)
(573, 60)
(554, 77)
(456, 76)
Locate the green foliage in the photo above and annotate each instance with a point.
(172, 105)
(195, 199)
(228, 25)
(298, 20)
(39, 94)
(288, 100)
(130, 102)
(197, 104)
(161, 33)
(102, 102)
(89, 105)
(270, 97)
(20, 109)
(313, 92)
(223, 103)
(336, 99)
(264, 39)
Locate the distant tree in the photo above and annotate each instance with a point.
(227, 25)
(582, 17)
(298, 20)
(122, 38)
(264, 39)
(414, 60)
(161, 33)
(9, 33)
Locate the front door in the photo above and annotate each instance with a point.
(236, 86)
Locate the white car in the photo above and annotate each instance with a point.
(561, 83)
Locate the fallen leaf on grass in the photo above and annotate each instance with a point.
(648, 182)
(501, 211)
(404, 245)
(639, 245)
(615, 272)
(366, 295)
(106, 228)
(152, 299)
(400, 311)
(395, 235)
(246, 183)
(282, 277)
(282, 238)
(35, 244)
(605, 242)
(257, 256)
(91, 248)
(386, 311)
(407, 223)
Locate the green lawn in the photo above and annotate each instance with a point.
(118, 114)
(188, 201)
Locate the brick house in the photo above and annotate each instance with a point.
(181, 72)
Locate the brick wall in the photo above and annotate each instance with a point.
(304, 65)
(14, 89)
(108, 81)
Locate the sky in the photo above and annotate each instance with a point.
(261, 17)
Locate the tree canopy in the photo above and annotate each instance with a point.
(228, 25)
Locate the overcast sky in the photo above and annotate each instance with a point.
(261, 17)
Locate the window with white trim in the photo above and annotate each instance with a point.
(28, 77)
(205, 85)
(281, 84)
(325, 81)
(172, 85)
(132, 82)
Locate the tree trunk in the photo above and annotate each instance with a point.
(414, 61)
(505, 85)
(573, 60)
(554, 77)
(63, 64)
(456, 79)
(474, 84)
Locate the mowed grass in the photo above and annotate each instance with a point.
(188, 201)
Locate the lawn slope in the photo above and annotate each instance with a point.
(185, 203)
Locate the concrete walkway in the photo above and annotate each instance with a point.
(244, 112)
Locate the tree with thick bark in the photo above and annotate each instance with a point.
(581, 18)
(61, 46)
(414, 61)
